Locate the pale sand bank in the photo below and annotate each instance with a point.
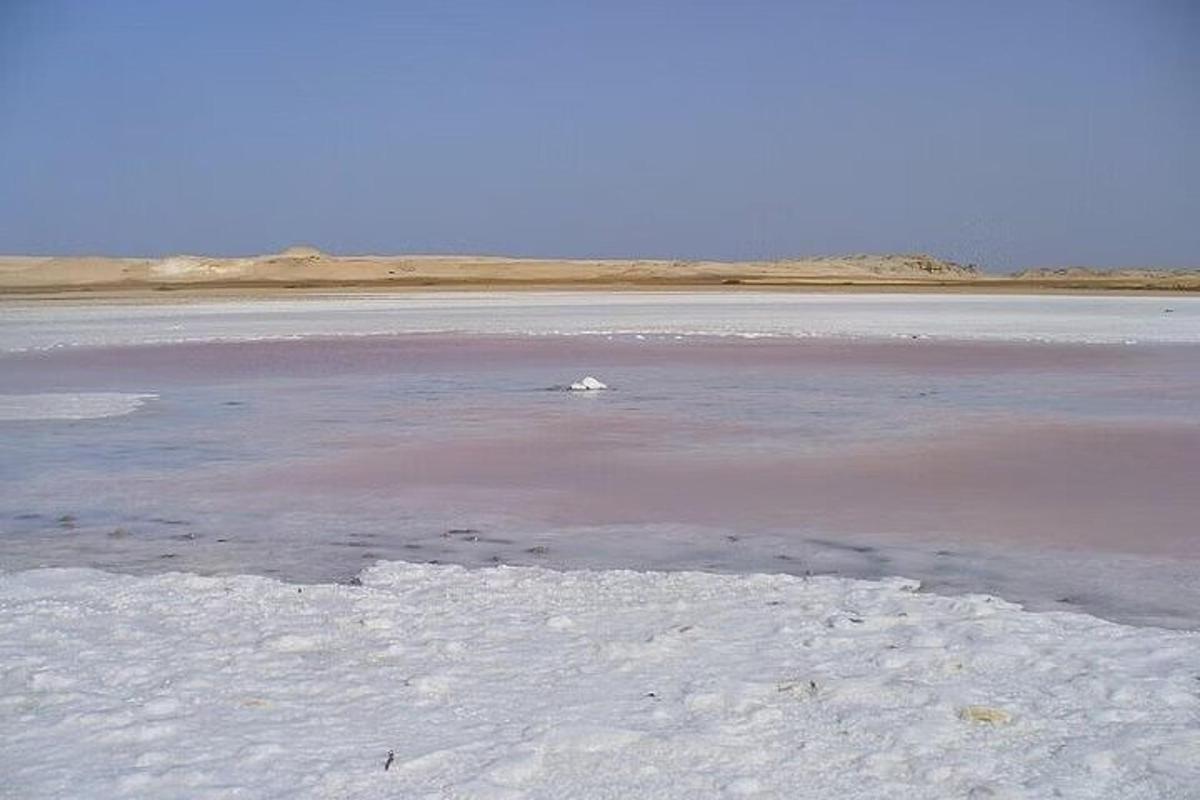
(299, 269)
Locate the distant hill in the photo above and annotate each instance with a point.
(309, 268)
(1177, 279)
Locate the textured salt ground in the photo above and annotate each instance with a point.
(507, 683)
(25, 325)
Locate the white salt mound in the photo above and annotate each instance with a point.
(588, 384)
(529, 683)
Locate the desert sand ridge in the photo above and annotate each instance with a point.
(307, 267)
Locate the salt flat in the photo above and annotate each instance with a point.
(526, 683)
(1084, 318)
(1041, 449)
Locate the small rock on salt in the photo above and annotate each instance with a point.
(985, 714)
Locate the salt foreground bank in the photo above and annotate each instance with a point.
(523, 682)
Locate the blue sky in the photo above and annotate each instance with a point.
(1009, 134)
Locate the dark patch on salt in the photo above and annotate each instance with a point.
(849, 548)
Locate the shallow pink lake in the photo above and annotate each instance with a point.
(1042, 472)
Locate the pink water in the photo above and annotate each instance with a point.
(1059, 475)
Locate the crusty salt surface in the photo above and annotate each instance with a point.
(525, 682)
(28, 325)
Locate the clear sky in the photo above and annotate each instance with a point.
(1010, 134)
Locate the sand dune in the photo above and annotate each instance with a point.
(306, 267)
(302, 266)
(1067, 277)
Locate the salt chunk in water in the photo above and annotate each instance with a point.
(588, 384)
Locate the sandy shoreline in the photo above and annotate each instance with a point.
(302, 270)
(199, 294)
